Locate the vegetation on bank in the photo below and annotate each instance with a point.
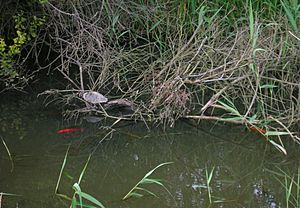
(230, 61)
(20, 23)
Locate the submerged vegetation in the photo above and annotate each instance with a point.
(227, 61)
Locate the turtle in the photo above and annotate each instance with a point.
(94, 97)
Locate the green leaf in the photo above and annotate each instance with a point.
(77, 189)
(210, 175)
(155, 25)
(134, 194)
(279, 147)
(151, 171)
(251, 21)
(268, 86)
(146, 180)
(146, 190)
(86, 196)
(233, 118)
(292, 19)
(151, 181)
(91, 199)
(232, 110)
(252, 118)
(276, 133)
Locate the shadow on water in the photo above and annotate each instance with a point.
(239, 161)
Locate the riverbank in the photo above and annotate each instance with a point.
(223, 61)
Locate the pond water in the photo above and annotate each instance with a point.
(243, 164)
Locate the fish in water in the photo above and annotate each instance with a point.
(257, 129)
(69, 130)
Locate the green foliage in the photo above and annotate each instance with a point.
(25, 30)
(229, 106)
(292, 11)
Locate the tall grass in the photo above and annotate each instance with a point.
(292, 11)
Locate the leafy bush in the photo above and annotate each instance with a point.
(25, 28)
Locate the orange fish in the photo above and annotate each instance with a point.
(257, 129)
(69, 130)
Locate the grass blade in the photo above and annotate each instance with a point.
(151, 181)
(279, 147)
(84, 169)
(289, 14)
(9, 154)
(146, 180)
(147, 191)
(62, 169)
(276, 133)
(83, 195)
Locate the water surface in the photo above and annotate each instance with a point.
(241, 161)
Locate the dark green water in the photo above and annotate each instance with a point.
(242, 162)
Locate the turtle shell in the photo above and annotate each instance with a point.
(94, 97)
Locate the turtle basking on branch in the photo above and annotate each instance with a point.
(94, 97)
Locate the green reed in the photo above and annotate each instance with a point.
(291, 185)
(138, 190)
(9, 154)
(79, 196)
(82, 195)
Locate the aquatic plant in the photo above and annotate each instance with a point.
(137, 190)
(60, 174)
(79, 195)
(208, 178)
(208, 181)
(291, 185)
(9, 154)
(82, 195)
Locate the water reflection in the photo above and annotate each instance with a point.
(237, 160)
